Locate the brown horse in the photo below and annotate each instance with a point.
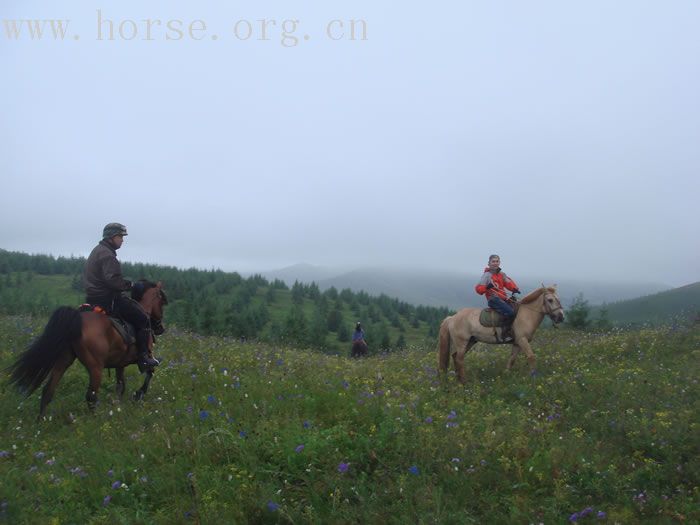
(359, 349)
(460, 332)
(93, 339)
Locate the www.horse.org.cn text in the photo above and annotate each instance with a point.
(286, 32)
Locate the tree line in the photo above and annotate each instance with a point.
(214, 302)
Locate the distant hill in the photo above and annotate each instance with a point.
(452, 289)
(682, 302)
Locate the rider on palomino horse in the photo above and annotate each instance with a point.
(494, 284)
(104, 285)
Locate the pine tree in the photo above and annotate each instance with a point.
(401, 342)
(577, 315)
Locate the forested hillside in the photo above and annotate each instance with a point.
(220, 303)
(677, 304)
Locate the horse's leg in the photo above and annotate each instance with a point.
(531, 359)
(94, 386)
(121, 382)
(141, 392)
(513, 355)
(56, 374)
(459, 359)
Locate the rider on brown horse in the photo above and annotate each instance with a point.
(104, 285)
(494, 284)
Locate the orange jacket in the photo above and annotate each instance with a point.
(501, 283)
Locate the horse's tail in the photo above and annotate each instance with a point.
(444, 346)
(31, 368)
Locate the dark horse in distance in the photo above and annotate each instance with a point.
(93, 339)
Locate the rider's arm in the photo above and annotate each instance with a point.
(483, 283)
(509, 283)
(112, 275)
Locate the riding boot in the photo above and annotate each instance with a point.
(507, 334)
(144, 361)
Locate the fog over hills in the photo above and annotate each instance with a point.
(452, 289)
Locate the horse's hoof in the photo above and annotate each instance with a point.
(138, 395)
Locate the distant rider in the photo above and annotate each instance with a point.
(104, 287)
(494, 284)
(359, 345)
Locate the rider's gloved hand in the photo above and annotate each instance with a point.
(489, 286)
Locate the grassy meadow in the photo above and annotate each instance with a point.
(233, 432)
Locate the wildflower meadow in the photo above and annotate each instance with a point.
(231, 432)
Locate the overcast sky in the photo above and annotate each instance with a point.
(562, 135)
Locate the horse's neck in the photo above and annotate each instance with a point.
(146, 303)
(531, 313)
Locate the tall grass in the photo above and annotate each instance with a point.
(247, 433)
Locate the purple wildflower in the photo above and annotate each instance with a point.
(203, 414)
(4, 454)
(50, 462)
(452, 415)
(117, 484)
(211, 399)
(272, 506)
(243, 434)
(106, 500)
(307, 424)
(343, 467)
(299, 448)
(428, 419)
(574, 517)
(586, 512)
(413, 469)
(39, 455)
(110, 473)
(601, 515)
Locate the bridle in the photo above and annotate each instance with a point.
(549, 310)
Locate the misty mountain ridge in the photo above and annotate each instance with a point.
(450, 288)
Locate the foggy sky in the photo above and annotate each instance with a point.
(562, 135)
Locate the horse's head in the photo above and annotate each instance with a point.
(152, 299)
(552, 305)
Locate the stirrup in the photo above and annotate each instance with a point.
(146, 363)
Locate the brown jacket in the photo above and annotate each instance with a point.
(103, 273)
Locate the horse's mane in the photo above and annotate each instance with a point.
(137, 295)
(533, 296)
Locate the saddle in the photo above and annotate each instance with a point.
(124, 329)
(491, 318)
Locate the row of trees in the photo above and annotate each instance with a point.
(221, 303)
(578, 316)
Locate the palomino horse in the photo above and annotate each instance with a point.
(460, 332)
(92, 338)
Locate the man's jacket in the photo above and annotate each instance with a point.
(501, 283)
(103, 274)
